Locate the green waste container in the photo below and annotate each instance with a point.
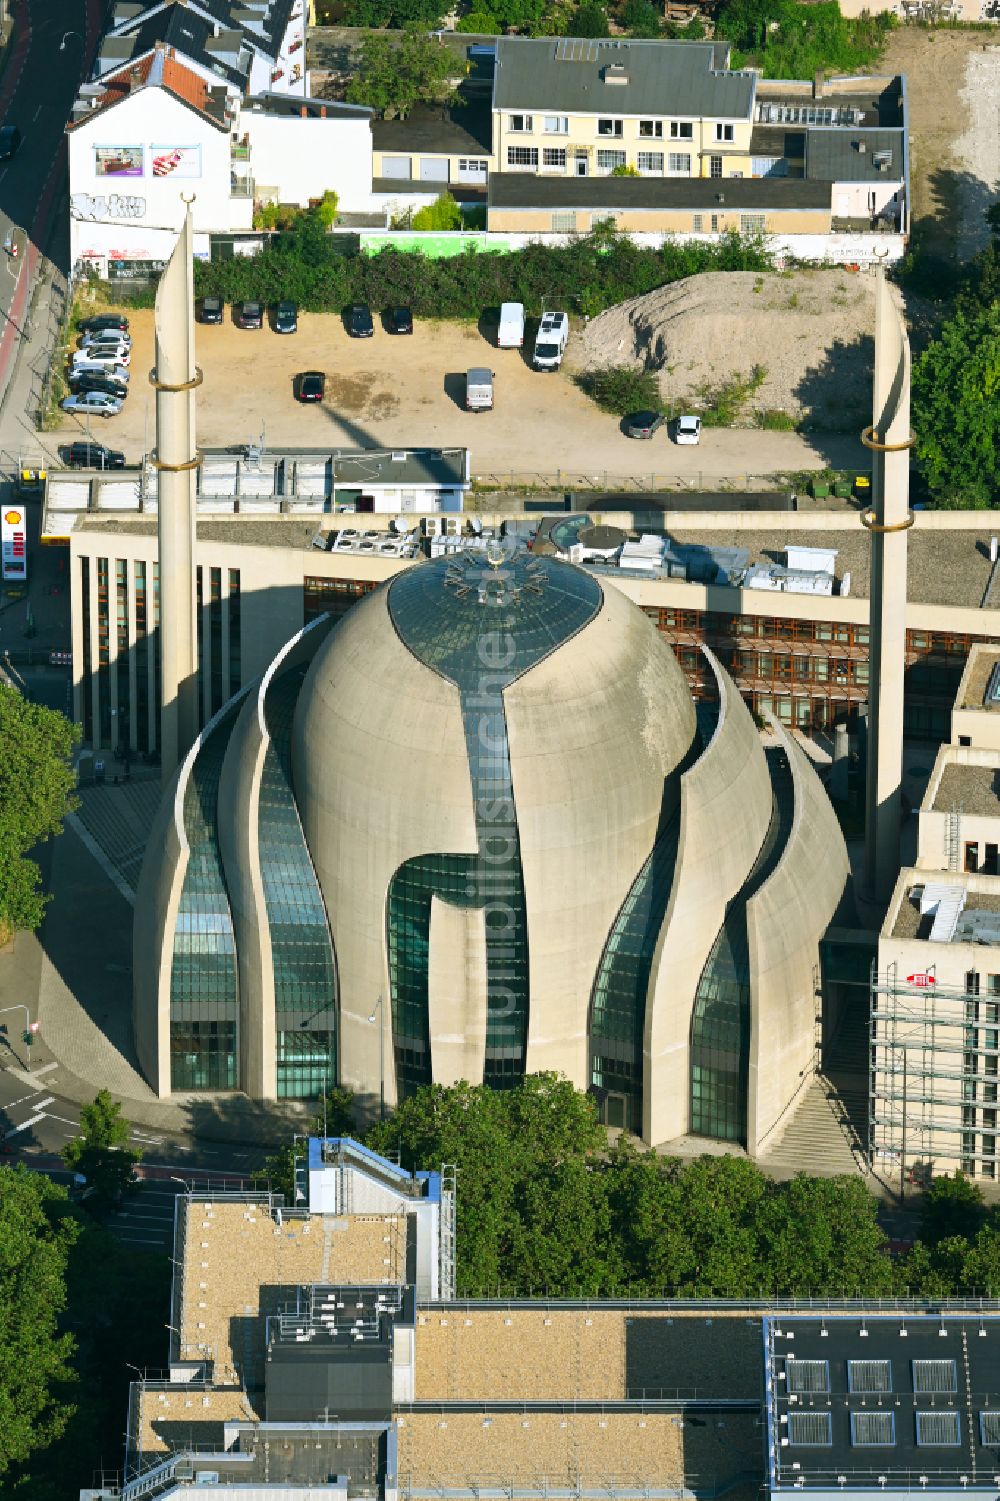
(820, 489)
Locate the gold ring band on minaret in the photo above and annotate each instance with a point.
(868, 520)
(187, 385)
(176, 468)
(870, 439)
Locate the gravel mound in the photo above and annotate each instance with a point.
(811, 332)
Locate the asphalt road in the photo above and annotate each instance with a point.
(35, 1125)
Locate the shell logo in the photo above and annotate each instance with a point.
(13, 518)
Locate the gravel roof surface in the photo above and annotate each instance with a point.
(973, 789)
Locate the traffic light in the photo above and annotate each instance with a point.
(28, 1036)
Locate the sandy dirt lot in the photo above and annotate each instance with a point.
(953, 79)
(807, 334)
(386, 391)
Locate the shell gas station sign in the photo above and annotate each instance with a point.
(14, 543)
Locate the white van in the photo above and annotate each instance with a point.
(550, 341)
(478, 390)
(510, 334)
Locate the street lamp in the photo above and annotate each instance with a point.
(377, 1015)
(66, 37)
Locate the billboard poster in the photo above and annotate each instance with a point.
(13, 542)
(176, 161)
(118, 161)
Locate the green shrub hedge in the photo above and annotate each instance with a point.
(591, 273)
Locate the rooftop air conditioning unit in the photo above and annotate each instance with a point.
(399, 456)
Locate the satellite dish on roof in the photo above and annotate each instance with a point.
(401, 525)
(476, 526)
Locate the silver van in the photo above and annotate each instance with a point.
(478, 390)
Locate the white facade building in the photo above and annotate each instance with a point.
(157, 134)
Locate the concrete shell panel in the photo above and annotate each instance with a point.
(381, 775)
(725, 811)
(239, 798)
(158, 896)
(597, 732)
(456, 992)
(785, 922)
(239, 827)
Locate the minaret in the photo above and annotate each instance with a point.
(174, 379)
(888, 521)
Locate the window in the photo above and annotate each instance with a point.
(715, 166)
(610, 128)
(990, 864)
(810, 1430)
(564, 223)
(649, 161)
(752, 224)
(989, 1429)
(679, 163)
(938, 1429)
(554, 156)
(715, 224)
(808, 1375)
(524, 123)
(471, 164)
(697, 223)
(934, 1376)
(653, 128)
(681, 130)
(607, 161)
(723, 132)
(522, 156)
(869, 1376)
(556, 125)
(873, 1429)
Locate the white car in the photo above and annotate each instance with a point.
(105, 336)
(103, 354)
(687, 430)
(93, 404)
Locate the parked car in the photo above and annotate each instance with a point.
(359, 321)
(400, 320)
(286, 318)
(117, 374)
(85, 455)
(687, 430)
(102, 321)
(251, 315)
(103, 354)
(551, 341)
(510, 334)
(643, 424)
(104, 338)
(10, 139)
(93, 404)
(479, 390)
(97, 380)
(310, 386)
(212, 309)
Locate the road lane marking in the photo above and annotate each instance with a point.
(50, 1116)
(31, 1121)
(46, 1068)
(34, 117)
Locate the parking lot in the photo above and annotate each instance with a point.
(409, 390)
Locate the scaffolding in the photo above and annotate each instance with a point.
(934, 1062)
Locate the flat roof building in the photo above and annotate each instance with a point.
(304, 1362)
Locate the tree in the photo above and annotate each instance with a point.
(588, 20)
(479, 23)
(37, 1231)
(952, 1205)
(36, 782)
(956, 410)
(394, 75)
(443, 214)
(530, 1212)
(641, 18)
(326, 209)
(101, 1153)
